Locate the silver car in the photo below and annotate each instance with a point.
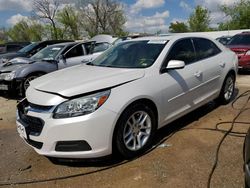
(18, 72)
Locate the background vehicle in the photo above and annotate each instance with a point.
(224, 39)
(16, 75)
(119, 100)
(29, 50)
(12, 46)
(240, 44)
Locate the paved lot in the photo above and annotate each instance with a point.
(183, 159)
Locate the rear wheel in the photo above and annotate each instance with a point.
(135, 130)
(227, 90)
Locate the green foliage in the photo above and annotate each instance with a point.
(239, 14)
(199, 20)
(26, 31)
(70, 20)
(178, 27)
(91, 17)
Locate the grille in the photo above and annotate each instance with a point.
(33, 125)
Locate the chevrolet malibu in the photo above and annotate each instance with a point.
(119, 100)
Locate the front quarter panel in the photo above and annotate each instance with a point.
(43, 67)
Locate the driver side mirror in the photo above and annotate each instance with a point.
(62, 58)
(173, 64)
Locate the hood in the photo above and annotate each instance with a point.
(20, 60)
(82, 79)
(15, 64)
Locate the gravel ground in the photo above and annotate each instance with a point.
(184, 159)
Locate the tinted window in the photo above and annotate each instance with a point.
(75, 51)
(28, 48)
(205, 48)
(13, 47)
(182, 50)
(240, 40)
(134, 54)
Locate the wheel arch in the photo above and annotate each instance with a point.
(146, 101)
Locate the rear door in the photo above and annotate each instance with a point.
(212, 64)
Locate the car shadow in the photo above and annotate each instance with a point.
(243, 72)
(10, 96)
(161, 136)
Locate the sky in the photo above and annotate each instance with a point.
(141, 15)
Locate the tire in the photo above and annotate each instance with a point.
(134, 131)
(227, 90)
(25, 83)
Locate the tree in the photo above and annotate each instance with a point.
(70, 19)
(3, 35)
(178, 27)
(26, 30)
(199, 20)
(46, 10)
(239, 14)
(103, 16)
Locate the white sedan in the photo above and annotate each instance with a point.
(118, 101)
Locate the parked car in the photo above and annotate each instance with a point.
(246, 155)
(12, 46)
(224, 39)
(29, 50)
(16, 75)
(240, 44)
(119, 100)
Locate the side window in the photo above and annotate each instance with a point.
(75, 51)
(99, 47)
(205, 48)
(182, 50)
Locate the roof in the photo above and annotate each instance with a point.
(103, 38)
(172, 37)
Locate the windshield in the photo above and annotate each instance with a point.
(240, 40)
(132, 54)
(48, 53)
(28, 48)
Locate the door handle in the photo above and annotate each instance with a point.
(222, 65)
(198, 74)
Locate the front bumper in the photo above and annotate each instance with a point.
(12, 86)
(88, 136)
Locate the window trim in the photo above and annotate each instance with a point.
(204, 57)
(164, 63)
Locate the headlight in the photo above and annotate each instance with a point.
(7, 76)
(248, 52)
(81, 106)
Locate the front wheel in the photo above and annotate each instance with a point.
(26, 82)
(227, 90)
(135, 130)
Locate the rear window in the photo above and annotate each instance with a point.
(240, 40)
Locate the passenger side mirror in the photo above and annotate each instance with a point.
(175, 64)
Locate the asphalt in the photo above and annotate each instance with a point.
(182, 156)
